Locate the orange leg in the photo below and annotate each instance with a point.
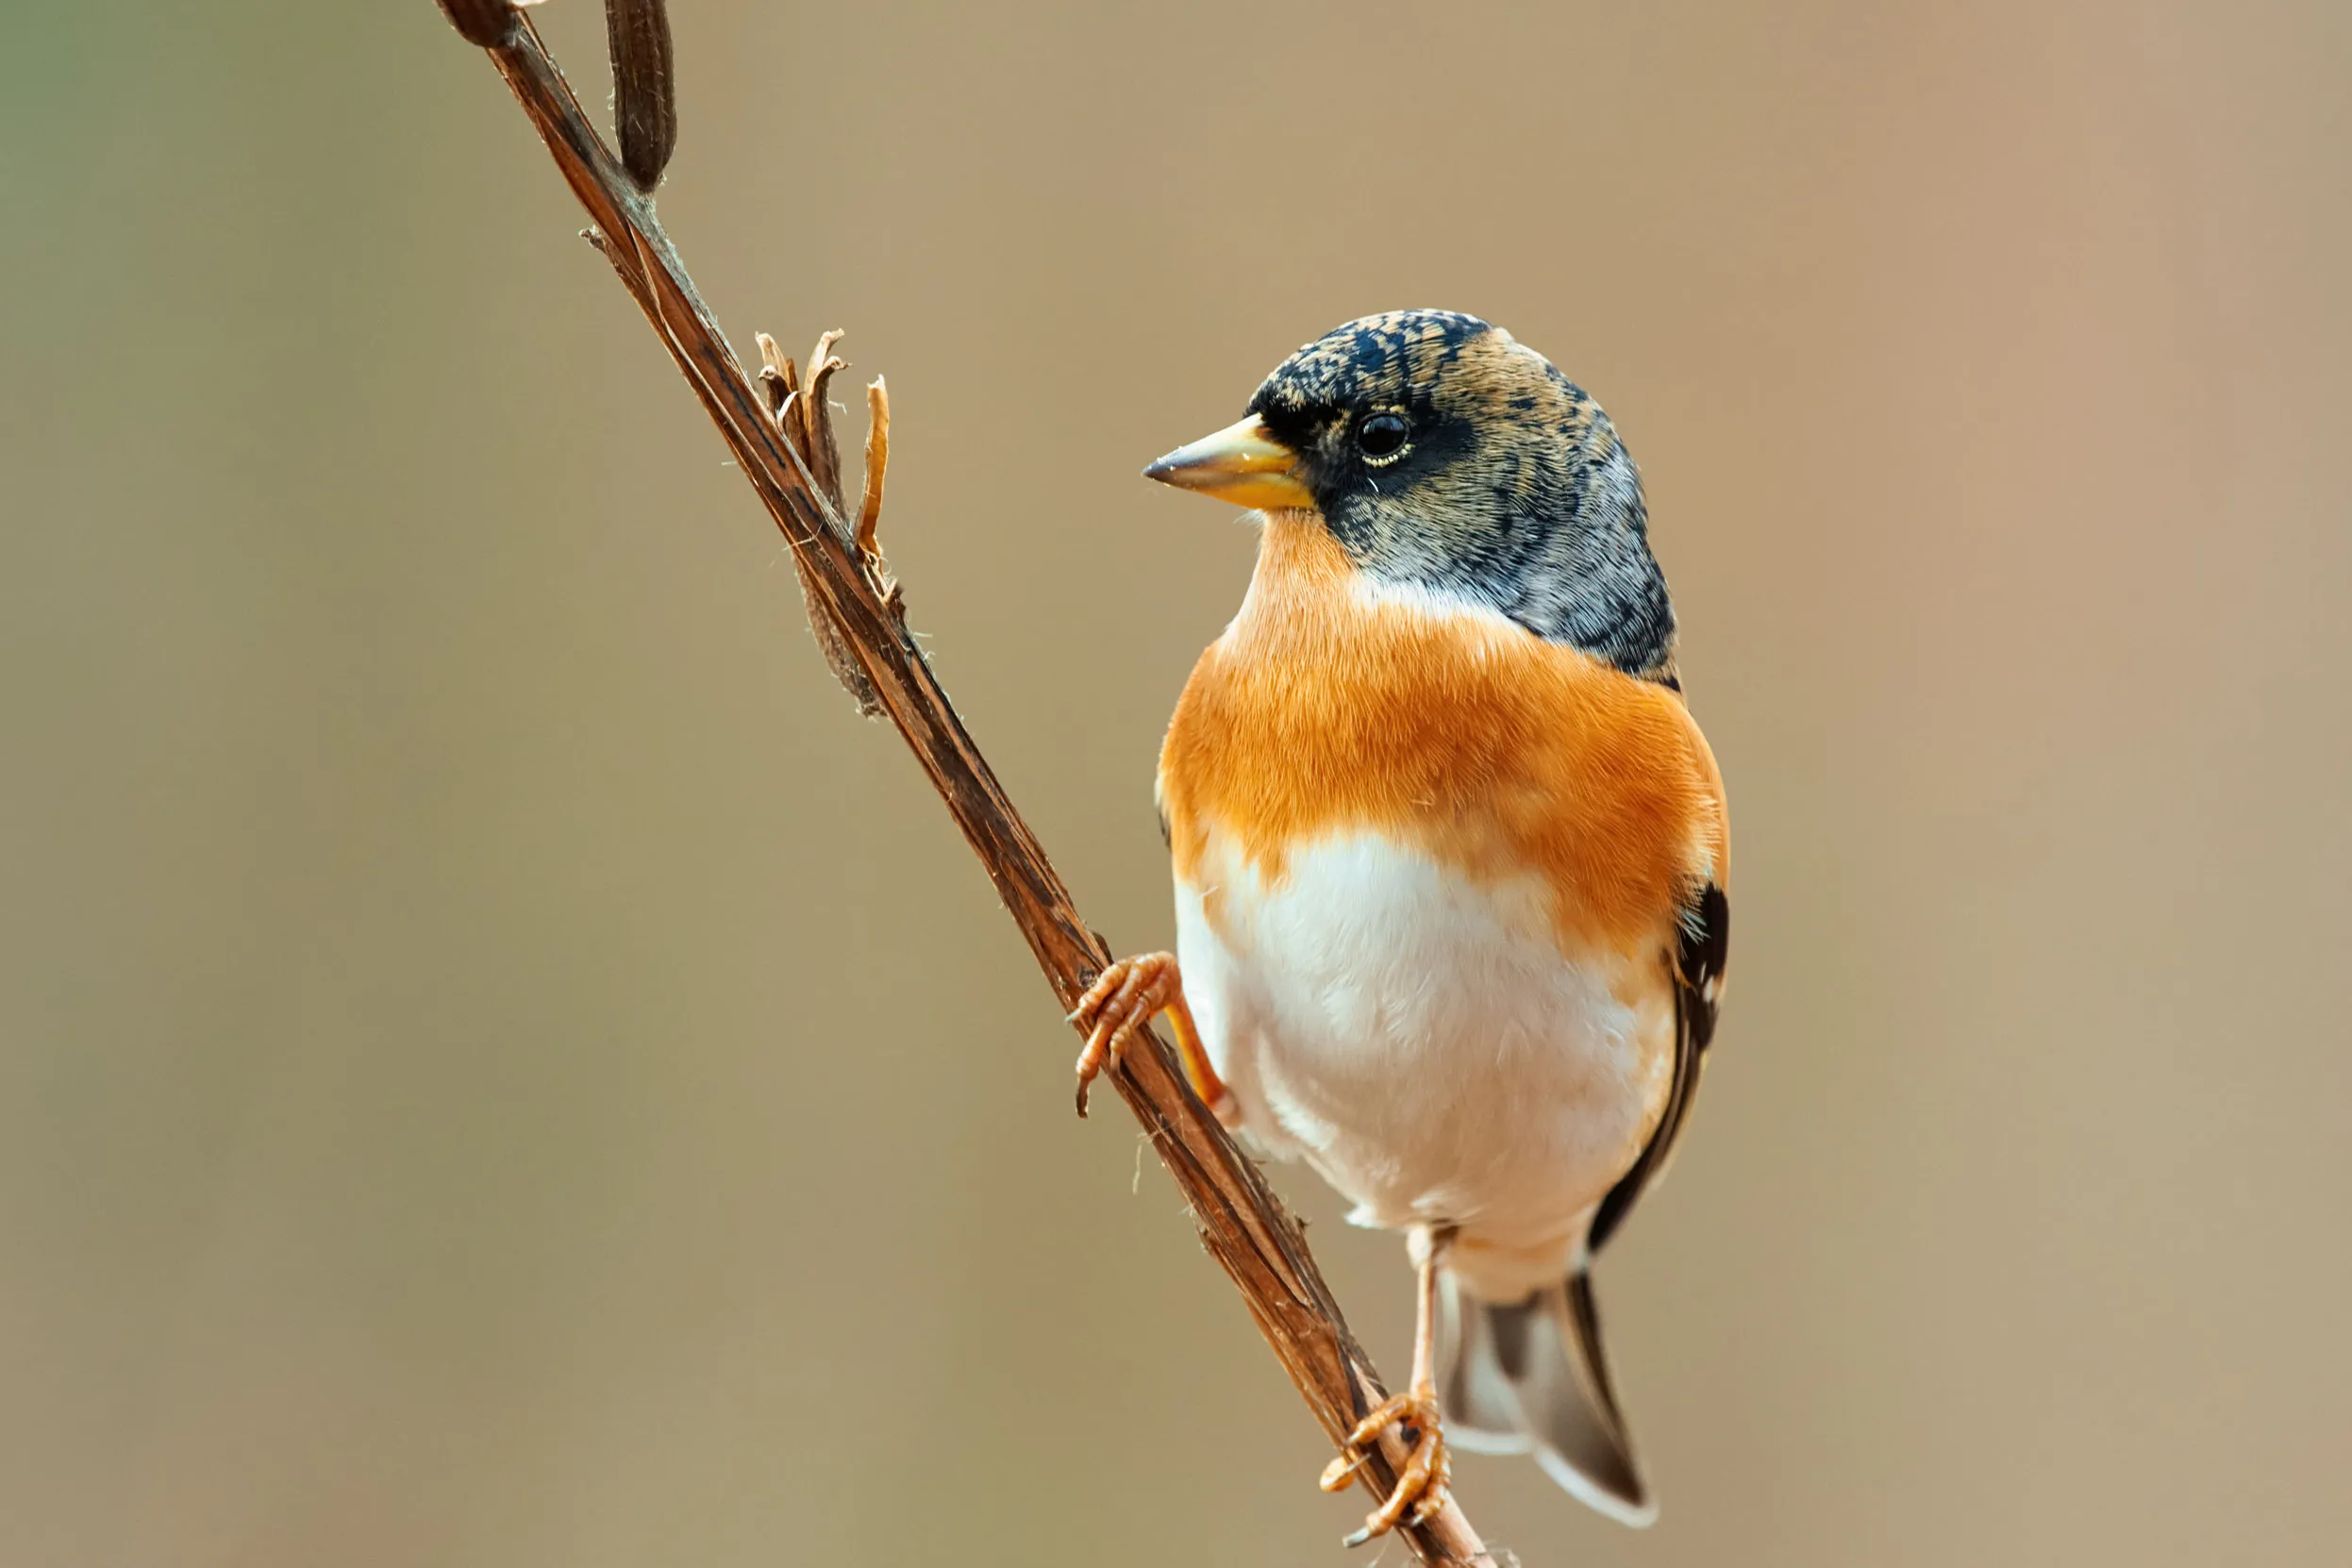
(1424, 1485)
(1122, 1000)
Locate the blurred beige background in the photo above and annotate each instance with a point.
(498, 1065)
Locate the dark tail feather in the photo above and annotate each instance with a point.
(1534, 1376)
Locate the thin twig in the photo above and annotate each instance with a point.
(1243, 1224)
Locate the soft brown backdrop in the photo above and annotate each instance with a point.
(498, 1065)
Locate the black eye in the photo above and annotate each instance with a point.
(1381, 436)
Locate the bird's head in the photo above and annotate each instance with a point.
(1443, 454)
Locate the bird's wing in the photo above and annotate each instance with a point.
(1696, 972)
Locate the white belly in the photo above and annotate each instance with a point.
(1421, 1040)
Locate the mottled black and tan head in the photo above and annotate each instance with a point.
(1443, 454)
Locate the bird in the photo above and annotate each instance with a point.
(1450, 859)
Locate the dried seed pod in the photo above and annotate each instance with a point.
(777, 377)
(488, 23)
(834, 644)
(644, 87)
(822, 452)
(878, 462)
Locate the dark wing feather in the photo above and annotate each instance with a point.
(1698, 968)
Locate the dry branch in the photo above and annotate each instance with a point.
(780, 432)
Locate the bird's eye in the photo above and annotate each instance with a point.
(1381, 438)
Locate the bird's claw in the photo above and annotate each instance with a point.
(1124, 998)
(1422, 1486)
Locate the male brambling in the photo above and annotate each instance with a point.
(1450, 856)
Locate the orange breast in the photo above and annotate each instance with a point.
(1326, 707)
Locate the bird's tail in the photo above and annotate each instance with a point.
(1532, 1376)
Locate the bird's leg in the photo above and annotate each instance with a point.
(1423, 1487)
(1122, 1000)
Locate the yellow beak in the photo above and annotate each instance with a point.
(1240, 463)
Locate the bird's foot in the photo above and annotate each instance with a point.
(1423, 1487)
(1126, 996)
